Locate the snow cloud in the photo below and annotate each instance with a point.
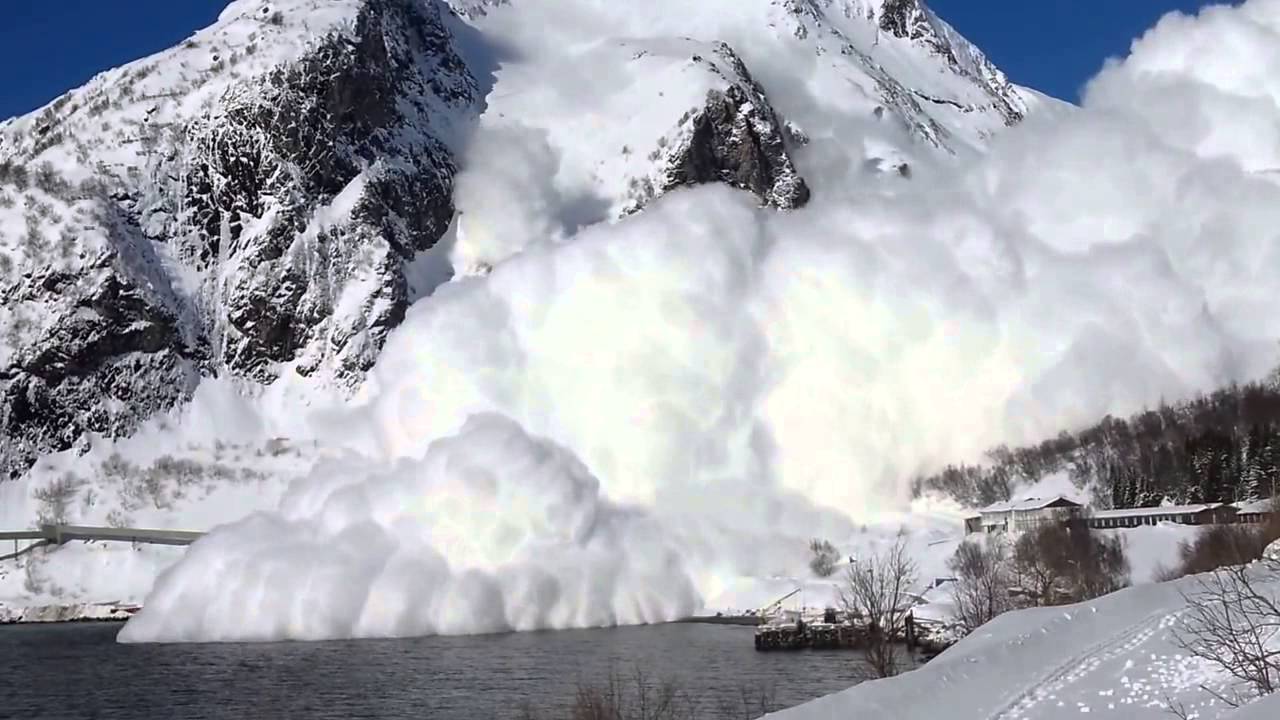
(490, 530)
(762, 375)
(506, 197)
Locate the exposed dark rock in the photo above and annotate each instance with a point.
(738, 139)
(906, 19)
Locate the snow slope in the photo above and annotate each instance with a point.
(1113, 657)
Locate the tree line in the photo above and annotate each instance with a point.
(1220, 447)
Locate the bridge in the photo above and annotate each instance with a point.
(60, 534)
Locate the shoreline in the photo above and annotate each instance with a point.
(68, 613)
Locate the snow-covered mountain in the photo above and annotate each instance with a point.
(258, 200)
(241, 203)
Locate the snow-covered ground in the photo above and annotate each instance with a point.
(1112, 657)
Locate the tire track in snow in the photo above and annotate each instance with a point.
(1127, 640)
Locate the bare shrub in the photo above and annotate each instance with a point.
(47, 178)
(116, 467)
(55, 499)
(877, 589)
(1232, 622)
(117, 518)
(983, 578)
(824, 557)
(14, 174)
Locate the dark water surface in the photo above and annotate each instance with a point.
(78, 672)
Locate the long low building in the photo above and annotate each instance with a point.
(1202, 514)
(1028, 514)
(1258, 511)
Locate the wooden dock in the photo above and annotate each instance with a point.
(817, 636)
(842, 635)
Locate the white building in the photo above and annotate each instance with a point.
(1023, 515)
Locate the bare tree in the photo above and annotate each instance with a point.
(981, 590)
(823, 561)
(1038, 560)
(1068, 562)
(1232, 621)
(877, 590)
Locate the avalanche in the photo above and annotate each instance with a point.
(683, 396)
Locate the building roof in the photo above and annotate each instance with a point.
(1028, 504)
(1257, 506)
(1161, 510)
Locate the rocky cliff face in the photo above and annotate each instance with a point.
(248, 221)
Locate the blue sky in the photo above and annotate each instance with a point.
(51, 46)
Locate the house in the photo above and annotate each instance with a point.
(1202, 514)
(1256, 512)
(1023, 515)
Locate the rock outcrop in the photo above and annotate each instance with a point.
(737, 138)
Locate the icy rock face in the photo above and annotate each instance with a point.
(738, 139)
(278, 158)
(237, 221)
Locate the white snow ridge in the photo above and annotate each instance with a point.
(604, 309)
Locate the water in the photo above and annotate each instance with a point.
(78, 672)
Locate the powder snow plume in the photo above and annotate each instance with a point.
(734, 377)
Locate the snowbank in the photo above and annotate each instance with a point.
(1113, 656)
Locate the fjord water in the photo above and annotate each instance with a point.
(78, 672)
